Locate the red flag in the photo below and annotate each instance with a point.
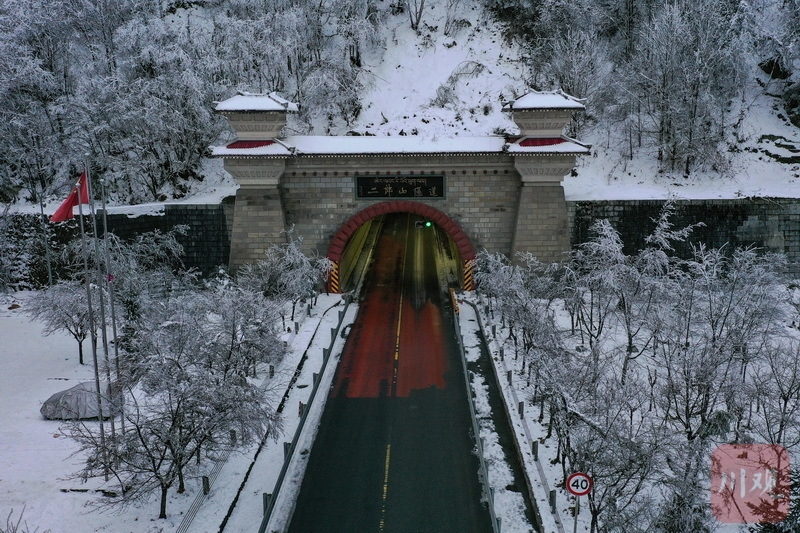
(79, 195)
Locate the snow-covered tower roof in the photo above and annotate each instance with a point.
(256, 117)
(543, 114)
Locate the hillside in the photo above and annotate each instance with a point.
(134, 88)
(433, 85)
(481, 71)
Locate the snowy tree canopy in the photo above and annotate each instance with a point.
(133, 83)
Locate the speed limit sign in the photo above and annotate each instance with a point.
(579, 484)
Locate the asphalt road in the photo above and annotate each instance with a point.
(394, 449)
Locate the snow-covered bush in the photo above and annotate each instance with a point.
(791, 102)
(641, 363)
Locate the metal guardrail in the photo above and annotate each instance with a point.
(290, 449)
(475, 425)
(540, 470)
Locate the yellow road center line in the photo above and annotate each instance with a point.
(397, 333)
(385, 485)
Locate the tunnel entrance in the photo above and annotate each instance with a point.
(350, 247)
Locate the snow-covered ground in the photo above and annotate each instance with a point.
(37, 467)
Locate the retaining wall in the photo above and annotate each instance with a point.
(206, 245)
(768, 223)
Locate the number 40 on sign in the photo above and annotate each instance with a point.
(579, 484)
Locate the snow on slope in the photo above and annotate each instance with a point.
(415, 69)
(438, 86)
(442, 85)
(753, 172)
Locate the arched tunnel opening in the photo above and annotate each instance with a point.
(434, 238)
(434, 258)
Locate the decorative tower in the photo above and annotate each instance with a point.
(543, 156)
(258, 218)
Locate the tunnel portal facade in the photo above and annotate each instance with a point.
(503, 194)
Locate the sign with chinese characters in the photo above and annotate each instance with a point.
(750, 483)
(422, 186)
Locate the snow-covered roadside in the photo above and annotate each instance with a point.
(265, 473)
(509, 505)
(35, 456)
(471, 322)
(545, 474)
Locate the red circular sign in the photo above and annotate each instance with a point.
(579, 484)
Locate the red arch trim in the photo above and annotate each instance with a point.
(339, 241)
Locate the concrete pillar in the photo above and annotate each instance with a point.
(542, 226)
(258, 222)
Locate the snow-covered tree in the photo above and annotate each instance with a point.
(774, 411)
(286, 274)
(64, 307)
(688, 66)
(596, 270)
(188, 391)
(415, 8)
(148, 267)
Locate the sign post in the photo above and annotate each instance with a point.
(578, 484)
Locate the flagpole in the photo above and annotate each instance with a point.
(46, 241)
(101, 284)
(92, 326)
(109, 279)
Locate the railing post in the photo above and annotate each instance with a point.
(206, 485)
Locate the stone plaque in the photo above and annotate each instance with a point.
(418, 186)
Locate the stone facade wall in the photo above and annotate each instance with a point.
(542, 226)
(768, 223)
(258, 222)
(481, 195)
(207, 244)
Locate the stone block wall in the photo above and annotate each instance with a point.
(207, 244)
(258, 223)
(481, 195)
(542, 226)
(771, 224)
